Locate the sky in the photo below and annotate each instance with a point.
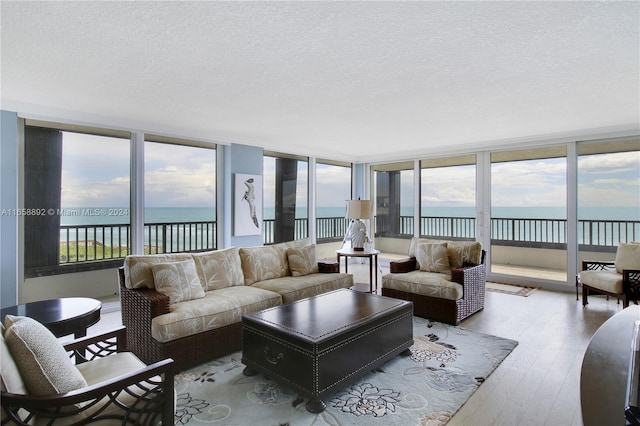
(96, 174)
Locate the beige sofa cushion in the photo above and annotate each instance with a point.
(627, 257)
(296, 288)
(432, 257)
(216, 309)
(42, 362)
(425, 283)
(137, 268)
(178, 280)
(302, 261)
(263, 263)
(219, 268)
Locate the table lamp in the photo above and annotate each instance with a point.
(357, 230)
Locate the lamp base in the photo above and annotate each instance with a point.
(358, 248)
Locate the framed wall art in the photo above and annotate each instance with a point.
(248, 205)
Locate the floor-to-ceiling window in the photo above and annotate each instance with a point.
(333, 188)
(608, 197)
(393, 189)
(179, 195)
(529, 213)
(285, 194)
(76, 198)
(448, 197)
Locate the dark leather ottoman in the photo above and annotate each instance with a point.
(324, 343)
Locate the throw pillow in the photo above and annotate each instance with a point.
(178, 280)
(137, 268)
(464, 253)
(432, 257)
(302, 261)
(627, 257)
(219, 268)
(43, 363)
(263, 263)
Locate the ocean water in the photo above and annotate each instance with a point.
(121, 215)
(605, 234)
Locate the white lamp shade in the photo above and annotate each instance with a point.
(359, 209)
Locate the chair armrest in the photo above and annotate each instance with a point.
(105, 344)
(631, 283)
(402, 265)
(328, 266)
(597, 265)
(151, 386)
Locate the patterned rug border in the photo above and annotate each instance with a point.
(518, 290)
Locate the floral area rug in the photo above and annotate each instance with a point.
(447, 364)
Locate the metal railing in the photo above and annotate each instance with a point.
(85, 243)
(90, 243)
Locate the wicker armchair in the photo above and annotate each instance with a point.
(620, 278)
(431, 303)
(129, 392)
(472, 279)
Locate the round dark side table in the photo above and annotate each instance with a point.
(69, 315)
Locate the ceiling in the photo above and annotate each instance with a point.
(353, 81)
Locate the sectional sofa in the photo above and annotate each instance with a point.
(189, 306)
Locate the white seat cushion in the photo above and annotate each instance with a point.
(603, 280)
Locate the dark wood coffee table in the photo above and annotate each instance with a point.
(69, 315)
(324, 343)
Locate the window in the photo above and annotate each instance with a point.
(394, 209)
(529, 213)
(608, 197)
(76, 198)
(448, 197)
(333, 189)
(179, 195)
(285, 194)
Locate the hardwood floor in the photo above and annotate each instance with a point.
(539, 382)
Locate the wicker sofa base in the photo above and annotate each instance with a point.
(435, 308)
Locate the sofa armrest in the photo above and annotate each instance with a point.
(328, 266)
(139, 306)
(402, 265)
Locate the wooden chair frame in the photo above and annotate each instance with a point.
(630, 282)
(154, 392)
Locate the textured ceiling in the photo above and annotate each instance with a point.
(355, 81)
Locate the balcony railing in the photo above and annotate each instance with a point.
(86, 243)
(89, 243)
